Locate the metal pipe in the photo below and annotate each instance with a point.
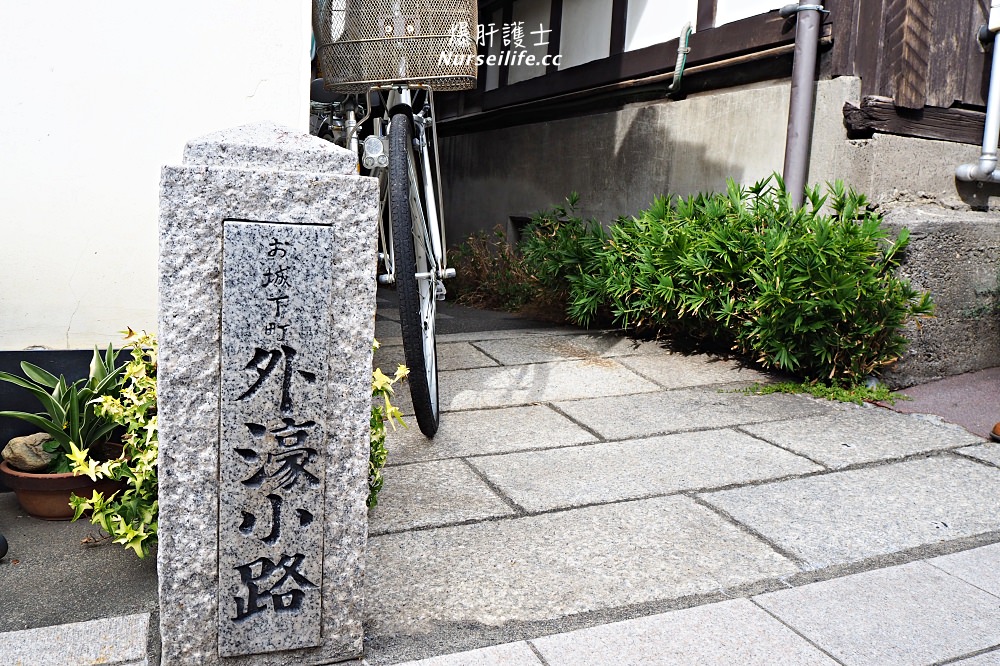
(985, 170)
(798, 140)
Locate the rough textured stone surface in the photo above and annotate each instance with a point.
(433, 493)
(607, 472)
(849, 516)
(195, 199)
(985, 659)
(850, 435)
(956, 256)
(462, 356)
(731, 632)
(988, 452)
(672, 370)
(558, 564)
(276, 330)
(510, 654)
(979, 567)
(543, 349)
(26, 453)
(270, 146)
(908, 615)
(686, 409)
(487, 431)
(522, 385)
(114, 640)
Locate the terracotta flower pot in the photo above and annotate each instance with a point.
(46, 496)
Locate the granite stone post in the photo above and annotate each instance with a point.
(267, 301)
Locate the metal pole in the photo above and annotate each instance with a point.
(798, 141)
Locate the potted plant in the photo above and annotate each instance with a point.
(76, 430)
(130, 516)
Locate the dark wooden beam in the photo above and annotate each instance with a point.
(756, 33)
(555, 25)
(880, 114)
(706, 14)
(508, 18)
(619, 23)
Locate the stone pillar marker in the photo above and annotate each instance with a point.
(267, 297)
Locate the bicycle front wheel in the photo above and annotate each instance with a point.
(416, 273)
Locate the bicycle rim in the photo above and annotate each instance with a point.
(417, 305)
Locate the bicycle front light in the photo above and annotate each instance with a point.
(374, 153)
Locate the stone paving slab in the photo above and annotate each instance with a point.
(851, 435)
(115, 641)
(672, 370)
(988, 452)
(665, 412)
(432, 493)
(731, 632)
(508, 654)
(852, 515)
(485, 432)
(910, 614)
(522, 385)
(558, 564)
(607, 472)
(451, 356)
(544, 349)
(979, 567)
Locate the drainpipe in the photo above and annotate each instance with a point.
(798, 141)
(985, 171)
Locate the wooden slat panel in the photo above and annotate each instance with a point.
(977, 67)
(845, 15)
(950, 52)
(880, 114)
(908, 25)
(868, 53)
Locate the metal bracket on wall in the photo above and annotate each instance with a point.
(791, 10)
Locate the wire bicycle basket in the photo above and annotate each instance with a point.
(363, 43)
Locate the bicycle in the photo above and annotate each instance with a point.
(389, 54)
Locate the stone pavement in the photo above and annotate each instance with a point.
(593, 500)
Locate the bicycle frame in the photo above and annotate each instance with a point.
(430, 174)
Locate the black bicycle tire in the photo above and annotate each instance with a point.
(407, 289)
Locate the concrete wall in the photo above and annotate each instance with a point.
(619, 161)
(94, 99)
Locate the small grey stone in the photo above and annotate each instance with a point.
(26, 453)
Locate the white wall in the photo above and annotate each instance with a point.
(535, 14)
(656, 21)
(586, 32)
(94, 98)
(727, 11)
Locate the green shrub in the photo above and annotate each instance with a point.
(795, 290)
